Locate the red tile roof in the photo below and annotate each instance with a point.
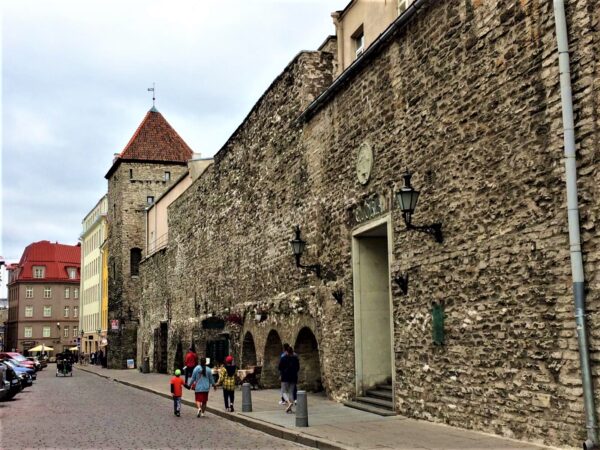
(55, 257)
(154, 141)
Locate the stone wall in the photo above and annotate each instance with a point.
(467, 98)
(127, 200)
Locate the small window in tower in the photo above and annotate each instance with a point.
(150, 199)
(167, 176)
(134, 260)
(130, 174)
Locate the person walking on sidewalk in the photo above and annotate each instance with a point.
(227, 378)
(191, 361)
(177, 392)
(202, 380)
(289, 367)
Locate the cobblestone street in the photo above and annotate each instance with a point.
(86, 411)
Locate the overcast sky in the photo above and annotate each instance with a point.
(74, 89)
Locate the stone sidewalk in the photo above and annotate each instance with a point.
(332, 425)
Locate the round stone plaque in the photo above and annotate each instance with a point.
(364, 163)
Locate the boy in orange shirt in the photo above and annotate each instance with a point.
(177, 391)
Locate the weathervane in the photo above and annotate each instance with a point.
(153, 93)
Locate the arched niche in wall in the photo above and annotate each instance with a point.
(248, 351)
(270, 370)
(307, 349)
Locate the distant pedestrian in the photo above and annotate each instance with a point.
(93, 358)
(285, 347)
(191, 361)
(289, 367)
(202, 380)
(177, 392)
(227, 378)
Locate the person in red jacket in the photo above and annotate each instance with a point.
(191, 361)
(177, 391)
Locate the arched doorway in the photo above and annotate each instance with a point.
(270, 370)
(307, 349)
(248, 351)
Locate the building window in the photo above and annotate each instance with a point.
(29, 311)
(66, 332)
(134, 260)
(47, 292)
(46, 332)
(72, 271)
(28, 332)
(66, 311)
(358, 40)
(67, 292)
(76, 293)
(403, 5)
(47, 311)
(130, 174)
(75, 311)
(28, 292)
(75, 331)
(38, 271)
(167, 176)
(150, 199)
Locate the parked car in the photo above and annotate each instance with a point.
(27, 376)
(4, 383)
(20, 359)
(37, 363)
(14, 382)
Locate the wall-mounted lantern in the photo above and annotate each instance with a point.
(298, 246)
(407, 202)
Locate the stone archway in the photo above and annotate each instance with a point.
(248, 351)
(270, 370)
(307, 349)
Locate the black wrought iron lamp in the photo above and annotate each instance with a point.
(407, 199)
(298, 246)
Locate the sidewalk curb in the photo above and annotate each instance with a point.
(266, 427)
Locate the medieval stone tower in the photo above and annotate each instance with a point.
(151, 162)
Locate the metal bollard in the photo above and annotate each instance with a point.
(246, 398)
(301, 410)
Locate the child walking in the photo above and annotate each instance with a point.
(177, 391)
(227, 377)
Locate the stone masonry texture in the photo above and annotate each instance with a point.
(467, 97)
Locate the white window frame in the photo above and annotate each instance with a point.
(167, 175)
(75, 331)
(75, 311)
(358, 39)
(67, 292)
(46, 332)
(29, 309)
(66, 311)
(28, 291)
(47, 292)
(47, 310)
(403, 5)
(28, 332)
(66, 332)
(76, 293)
(39, 271)
(150, 199)
(72, 271)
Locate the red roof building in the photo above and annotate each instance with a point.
(43, 297)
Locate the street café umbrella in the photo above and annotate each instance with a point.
(74, 349)
(41, 348)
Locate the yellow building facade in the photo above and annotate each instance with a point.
(94, 277)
